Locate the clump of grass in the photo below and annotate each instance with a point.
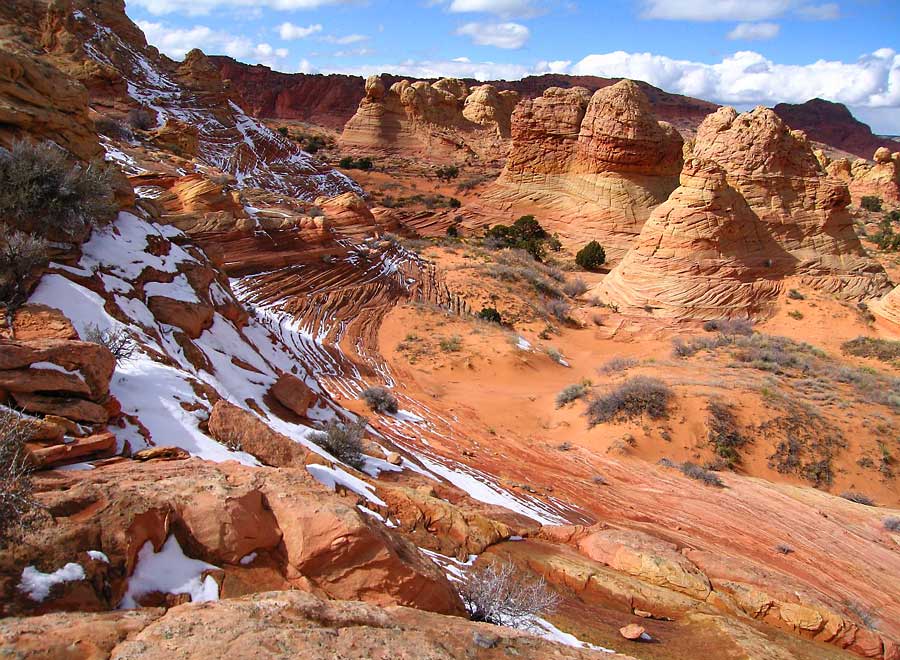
(859, 498)
(555, 355)
(343, 441)
(574, 287)
(694, 471)
(380, 400)
(884, 350)
(637, 396)
(452, 344)
(892, 524)
(558, 309)
(572, 393)
(793, 294)
(688, 347)
(616, 365)
(783, 549)
(730, 327)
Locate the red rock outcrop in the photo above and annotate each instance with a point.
(597, 164)
(880, 178)
(296, 533)
(753, 208)
(889, 306)
(297, 624)
(423, 117)
(832, 124)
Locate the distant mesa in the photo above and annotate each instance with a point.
(446, 116)
(753, 208)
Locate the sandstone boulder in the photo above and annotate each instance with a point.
(239, 429)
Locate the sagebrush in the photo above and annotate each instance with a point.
(18, 509)
(637, 396)
(380, 400)
(343, 440)
(498, 593)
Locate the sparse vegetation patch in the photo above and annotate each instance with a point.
(637, 396)
(343, 440)
(380, 400)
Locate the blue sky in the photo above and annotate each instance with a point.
(740, 52)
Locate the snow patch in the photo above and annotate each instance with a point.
(332, 477)
(37, 585)
(169, 571)
(96, 555)
(246, 560)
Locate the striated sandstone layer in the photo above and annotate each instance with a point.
(421, 117)
(753, 208)
(595, 165)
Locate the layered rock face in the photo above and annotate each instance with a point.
(753, 208)
(445, 115)
(832, 124)
(879, 178)
(598, 163)
(889, 306)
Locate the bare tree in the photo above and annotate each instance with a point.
(498, 593)
(117, 340)
(17, 507)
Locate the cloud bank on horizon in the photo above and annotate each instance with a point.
(736, 52)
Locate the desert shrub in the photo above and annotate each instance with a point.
(574, 288)
(694, 471)
(892, 524)
(637, 396)
(111, 128)
(117, 340)
(783, 549)
(350, 163)
(18, 509)
(730, 327)
(447, 172)
(454, 203)
(283, 130)
(380, 400)
(558, 309)
(497, 593)
(141, 119)
(796, 314)
(489, 314)
(870, 347)
(554, 243)
(793, 294)
(617, 364)
(724, 433)
(555, 355)
(473, 182)
(591, 256)
(451, 344)
(453, 231)
(525, 234)
(41, 192)
(343, 440)
(871, 203)
(571, 393)
(686, 348)
(859, 498)
(20, 255)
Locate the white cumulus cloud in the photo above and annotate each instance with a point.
(735, 10)
(202, 7)
(517, 8)
(754, 31)
(289, 31)
(346, 39)
(176, 43)
(500, 35)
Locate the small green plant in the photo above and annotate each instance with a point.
(871, 203)
(447, 172)
(380, 400)
(490, 314)
(350, 163)
(453, 231)
(591, 256)
(283, 130)
(343, 440)
(525, 234)
(793, 294)
(454, 203)
(451, 344)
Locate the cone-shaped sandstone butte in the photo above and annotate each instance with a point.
(754, 207)
(599, 164)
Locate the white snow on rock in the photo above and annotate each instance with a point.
(96, 555)
(547, 630)
(37, 585)
(523, 344)
(169, 571)
(332, 477)
(178, 289)
(246, 560)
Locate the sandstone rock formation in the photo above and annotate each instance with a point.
(598, 164)
(274, 527)
(832, 124)
(297, 624)
(445, 116)
(879, 178)
(889, 306)
(752, 209)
